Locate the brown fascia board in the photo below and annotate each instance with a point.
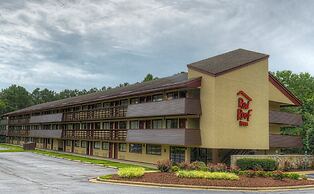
(193, 83)
(228, 70)
(284, 90)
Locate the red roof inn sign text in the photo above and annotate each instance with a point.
(243, 111)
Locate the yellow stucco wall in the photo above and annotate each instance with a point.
(143, 157)
(79, 150)
(218, 123)
(276, 95)
(101, 153)
(55, 144)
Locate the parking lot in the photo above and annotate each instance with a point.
(24, 172)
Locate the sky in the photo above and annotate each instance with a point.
(79, 44)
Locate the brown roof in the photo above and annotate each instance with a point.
(227, 62)
(179, 80)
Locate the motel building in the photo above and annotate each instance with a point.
(224, 105)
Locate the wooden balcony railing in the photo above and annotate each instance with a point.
(110, 135)
(103, 113)
(3, 132)
(18, 133)
(18, 121)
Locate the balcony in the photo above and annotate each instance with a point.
(18, 133)
(103, 113)
(285, 118)
(3, 122)
(285, 141)
(18, 121)
(182, 106)
(107, 135)
(46, 133)
(3, 132)
(50, 118)
(183, 137)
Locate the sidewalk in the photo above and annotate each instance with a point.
(108, 159)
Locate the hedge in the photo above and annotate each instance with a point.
(131, 172)
(207, 175)
(257, 164)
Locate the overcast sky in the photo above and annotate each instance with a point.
(80, 44)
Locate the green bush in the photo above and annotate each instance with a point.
(260, 164)
(278, 175)
(164, 165)
(294, 176)
(207, 175)
(131, 172)
(175, 169)
(197, 165)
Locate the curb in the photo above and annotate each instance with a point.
(193, 187)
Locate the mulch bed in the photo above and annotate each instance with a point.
(171, 178)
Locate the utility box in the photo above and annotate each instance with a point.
(29, 146)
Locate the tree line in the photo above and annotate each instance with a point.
(302, 85)
(17, 97)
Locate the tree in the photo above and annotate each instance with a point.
(149, 77)
(302, 85)
(15, 97)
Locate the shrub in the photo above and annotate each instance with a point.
(175, 169)
(131, 172)
(197, 165)
(278, 175)
(185, 166)
(250, 173)
(207, 175)
(261, 173)
(234, 169)
(164, 165)
(251, 164)
(294, 176)
(219, 167)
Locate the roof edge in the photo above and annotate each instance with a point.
(228, 70)
(296, 101)
(190, 83)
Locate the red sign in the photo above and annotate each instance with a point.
(243, 111)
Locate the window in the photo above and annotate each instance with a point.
(182, 123)
(141, 124)
(122, 125)
(122, 147)
(68, 143)
(153, 149)
(142, 99)
(105, 145)
(83, 144)
(134, 101)
(177, 154)
(157, 124)
(172, 95)
(97, 145)
(106, 125)
(172, 123)
(157, 98)
(97, 125)
(135, 148)
(133, 124)
(76, 143)
(124, 102)
(182, 94)
(148, 124)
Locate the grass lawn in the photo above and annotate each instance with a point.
(87, 160)
(10, 148)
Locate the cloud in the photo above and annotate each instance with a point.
(81, 44)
